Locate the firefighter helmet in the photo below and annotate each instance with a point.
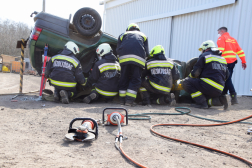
(72, 47)
(133, 26)
(207, 44)
(158, 49)
(103, 49)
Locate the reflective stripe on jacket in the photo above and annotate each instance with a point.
(132, 48)
(65, 71)
(229, 48)
(105, 76)
(161, 72)
(211, 67)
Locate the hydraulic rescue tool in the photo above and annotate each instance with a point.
(88, 131)
(112, 117)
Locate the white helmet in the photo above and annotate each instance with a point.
(103, 49)
(72, 47)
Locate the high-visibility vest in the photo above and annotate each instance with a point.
(229, 48)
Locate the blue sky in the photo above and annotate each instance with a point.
(20, 10)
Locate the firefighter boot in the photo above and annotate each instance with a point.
(201, 105)
(56, 95)
(122, 100)
(224, 101)
(170, 99)
(89, 98)
(233, 98)
(64, 97)
(145, 98)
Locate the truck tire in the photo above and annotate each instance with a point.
(189, 65)
(87, 21)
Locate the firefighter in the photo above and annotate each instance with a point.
(104, 76)
(132, 48)
(207, 79)
(229, 48)
(64, 71)
(158, 77)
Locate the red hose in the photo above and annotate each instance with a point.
(202, 146)
(138, 164)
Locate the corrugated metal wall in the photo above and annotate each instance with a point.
(162, 28)
(188, 31)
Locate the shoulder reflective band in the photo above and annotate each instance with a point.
(66, 58)
(105, 93)
(131, 93)
(212, 83)
(219, 59)
(122, 93)
(63, 84)
(196, 94)
(134, 32)
(109, 66)
(134, 58)
(154, 64)
(162, 88)
(142, 89)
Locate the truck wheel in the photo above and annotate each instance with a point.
(87, 21)
(189, 65)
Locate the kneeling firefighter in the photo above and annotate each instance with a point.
(158, 77)
(104, 76)
(207, 79)
(64, 71)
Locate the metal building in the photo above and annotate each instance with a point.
(182, 25)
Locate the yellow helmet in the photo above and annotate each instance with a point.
(158, 49)
(133, 25)
(207, 44)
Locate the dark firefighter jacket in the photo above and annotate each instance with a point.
(132, 48)
(211, 67)
(65, 71)
(161, 72)
(105, 76)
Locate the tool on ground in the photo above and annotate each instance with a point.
(43, 78)
(87, 131)
(116, 118)
(111, 118)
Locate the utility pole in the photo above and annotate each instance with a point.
(43, 9)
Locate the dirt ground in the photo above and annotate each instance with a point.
(32, 134)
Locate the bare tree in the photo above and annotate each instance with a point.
(10, 33)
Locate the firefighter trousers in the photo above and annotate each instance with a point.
(146, 89)
(129, 83)
(200, 91)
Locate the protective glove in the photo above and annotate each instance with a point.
(244, 66)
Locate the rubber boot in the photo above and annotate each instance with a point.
(64, 97)
(202, 105)
(170, 99)
(234, 98)
(56, 95)
(145, 98)
(224, 101)
(122, 100)
(89, 98)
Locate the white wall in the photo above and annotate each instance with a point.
(182, 25)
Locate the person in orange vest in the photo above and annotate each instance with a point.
(230, 48)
